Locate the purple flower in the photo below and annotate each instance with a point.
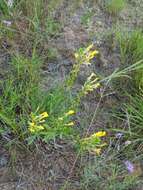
(127, 143)
(129, 166)
(119, 135)
(7, 22)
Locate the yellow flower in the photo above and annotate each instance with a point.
(70, 112)
(99, 134)
(36, 128)
(92, 54)
(42, 121)
(95, 86)
(32, 124)
(70, 124)
(31, 129)
(76, 55)
(91, 83)
(60, 118)
(89, 48)
(97, 151)
(39, 127)
(43, 115)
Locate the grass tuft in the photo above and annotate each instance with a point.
(114, 7)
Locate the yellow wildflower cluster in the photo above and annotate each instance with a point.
(82, 56)
(97, 151)
(96, 135)
(91, 84)
(87, 55)
(69, 113)
(70, 124)
(36, 123)
(99, 134)
(93, 143)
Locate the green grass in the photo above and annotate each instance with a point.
(132, 114)
(23, 98)
(52, 27)
(131, 51)
(130, 89)
(23, 101)
(86, 18)
(115, 6)
(19, 89)
(131, 46)
(21, 95)
(4, 8)
(108, 174)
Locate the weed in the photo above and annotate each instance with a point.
(52, 27)
(86, 18)
(55, 127)
(52, 53)
(93, 143)
(133, 114)
(131, 46)
(32, 114)
(31, 9)
(107, 175)
(4, 7)
(5, 29)
(58, 123)
(114, 6)
(53, 5)
(83, 56)
(131, 49)
(18, 91)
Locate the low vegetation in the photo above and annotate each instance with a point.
(97, 116)
(114, 6)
